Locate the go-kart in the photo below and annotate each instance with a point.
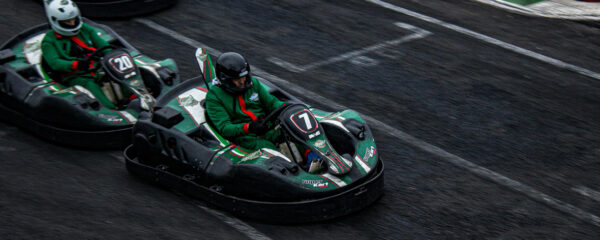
(119, 8)
(178, 147)
(32, 97)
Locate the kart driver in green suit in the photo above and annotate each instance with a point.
(66, 46)
(238, 104)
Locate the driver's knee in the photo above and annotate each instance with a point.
(82, 81)
(96, 90)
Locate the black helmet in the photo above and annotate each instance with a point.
(230, 66)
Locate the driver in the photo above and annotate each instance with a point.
(66, 46)
(239, 102)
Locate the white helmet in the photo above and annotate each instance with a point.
(58, 11)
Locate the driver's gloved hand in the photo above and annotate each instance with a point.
(83, 64)
(258, 127)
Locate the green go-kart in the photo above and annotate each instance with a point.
(32, 97)
(178, 147)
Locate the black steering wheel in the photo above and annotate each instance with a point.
(94, 56)
(275, 113)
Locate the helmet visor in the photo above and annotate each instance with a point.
(71, 23)
(231, 75)
(229, 84)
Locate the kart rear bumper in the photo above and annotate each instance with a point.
(101, 139)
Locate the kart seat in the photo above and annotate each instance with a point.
(209, 121)
(206, 116)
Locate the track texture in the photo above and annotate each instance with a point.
(525, 119)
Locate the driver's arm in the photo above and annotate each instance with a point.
(221, 119)
(52, 57)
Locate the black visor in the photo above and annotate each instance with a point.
(63, 23)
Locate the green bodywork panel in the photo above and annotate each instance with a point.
(20, 61)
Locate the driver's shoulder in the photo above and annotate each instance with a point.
(87, 29)
(255, 80)
(215, 93)
(50, 36)
(256, 84)
(85, 26)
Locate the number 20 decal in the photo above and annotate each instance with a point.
(123, 63)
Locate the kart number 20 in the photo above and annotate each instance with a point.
(124, 63)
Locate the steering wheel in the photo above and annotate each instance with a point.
(275, 113)
(94, 56)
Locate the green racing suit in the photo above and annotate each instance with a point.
(232, 115)
(62, 53)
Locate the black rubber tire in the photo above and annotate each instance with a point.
(121, 8)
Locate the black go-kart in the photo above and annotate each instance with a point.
(119, 8)
(178, 148)
(32, 97)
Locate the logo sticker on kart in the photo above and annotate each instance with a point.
(189, 101)
(315, 183)
(252, 156)
(369, 153)
(66, 90)
(130, 75)
(111, 118)
(317, 133)
(135, 83)
(320, 144)
(305, 121)
(256, 155)
(122, 63)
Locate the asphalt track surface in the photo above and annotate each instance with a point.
(530, 121)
